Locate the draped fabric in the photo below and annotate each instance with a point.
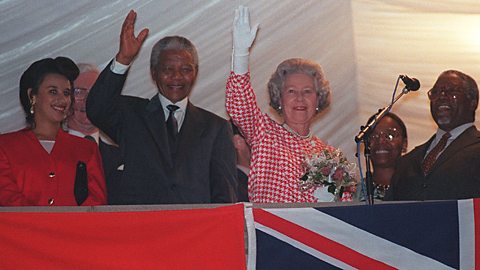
(420, 235)
(363, 45)
(170, 239)
(417, 236)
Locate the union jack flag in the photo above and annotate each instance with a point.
(420, 235)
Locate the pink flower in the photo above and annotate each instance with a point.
(326, 170)
(351, 188)
(338, 175)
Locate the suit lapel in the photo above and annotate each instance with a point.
(468, 137)
(192, 129)
(420, 155)
(155, 121)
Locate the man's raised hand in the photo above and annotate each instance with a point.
(129, 44)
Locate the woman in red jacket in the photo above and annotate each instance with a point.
(39, 164)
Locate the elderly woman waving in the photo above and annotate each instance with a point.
(298, 90)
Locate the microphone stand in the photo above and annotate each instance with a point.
(364, 136)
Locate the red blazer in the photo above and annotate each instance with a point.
(30, 176)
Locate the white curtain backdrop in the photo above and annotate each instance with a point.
(363, 45)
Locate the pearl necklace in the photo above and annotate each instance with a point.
(380, 191)
(381, 187)
(289, 129)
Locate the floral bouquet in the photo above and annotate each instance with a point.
(332, 176)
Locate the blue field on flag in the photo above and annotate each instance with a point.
(426, 235)
(421, 227)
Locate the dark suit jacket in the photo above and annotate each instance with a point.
(242, 186)
(455, 174)
(203, 170)
(111, 159)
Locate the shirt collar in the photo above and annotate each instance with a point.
(454, 132)
(95, 135)
(182, 104)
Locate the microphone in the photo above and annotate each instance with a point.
(411, 84)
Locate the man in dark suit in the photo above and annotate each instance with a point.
(448, 165)
(174, 152)
(78, 124)
(243, 162)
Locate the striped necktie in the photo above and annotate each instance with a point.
(432, 156)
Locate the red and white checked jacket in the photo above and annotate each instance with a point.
(277, 155)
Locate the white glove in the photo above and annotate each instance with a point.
(243, 37)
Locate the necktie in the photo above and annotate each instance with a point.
(172, 126)
(432, 156)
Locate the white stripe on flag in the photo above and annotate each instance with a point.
(466, 233)
(303, 247)
(359, 240)
(251, 238)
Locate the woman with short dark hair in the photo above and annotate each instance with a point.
(39, 164)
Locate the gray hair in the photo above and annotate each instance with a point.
(469, 84)
(86, 67)
(298, 65)
(172, 43)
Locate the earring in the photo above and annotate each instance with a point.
(32, 108)
(279, 108)
(317, 109)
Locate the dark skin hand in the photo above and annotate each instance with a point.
(129, 44)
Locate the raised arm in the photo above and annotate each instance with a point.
(241, 102)
(103, 101)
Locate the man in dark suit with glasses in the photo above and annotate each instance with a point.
(446, 167)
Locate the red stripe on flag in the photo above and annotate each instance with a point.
(476, 221)
(318, 242)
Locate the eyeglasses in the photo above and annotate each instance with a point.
(434, 94)
(389, 134)
(80, 93)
